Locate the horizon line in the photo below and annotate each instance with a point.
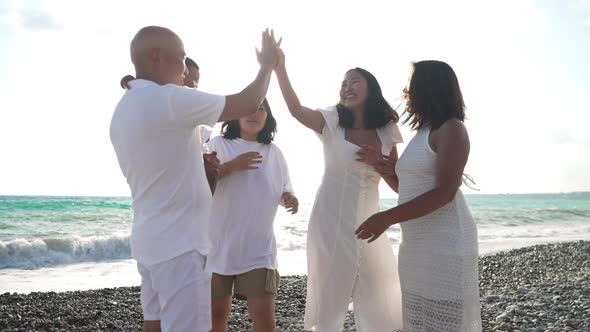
(466, 194)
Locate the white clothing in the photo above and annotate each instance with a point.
(177, 292)
(153, 131)
(339, 265)
(244, 207)
(438, 253)
(205, 132)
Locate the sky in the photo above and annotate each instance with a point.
(522, 66)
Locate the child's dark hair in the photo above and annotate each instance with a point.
(125, 81)
(188, 62)
(231, 129)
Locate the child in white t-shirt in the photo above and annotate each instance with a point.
(253, 182)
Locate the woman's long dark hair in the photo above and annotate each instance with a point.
(433, 95)
(231, 129)
(377, 110)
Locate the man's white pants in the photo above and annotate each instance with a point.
(178, 293)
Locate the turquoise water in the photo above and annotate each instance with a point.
(47, 231)
(522, 209)
(39, 217)
(40, 232)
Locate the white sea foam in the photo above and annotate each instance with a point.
(35, 253)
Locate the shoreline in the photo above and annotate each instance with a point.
(537, 288)
(93, 275)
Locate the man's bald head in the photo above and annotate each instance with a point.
(158, 55)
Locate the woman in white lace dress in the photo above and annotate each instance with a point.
(341, 268)
(438, 253)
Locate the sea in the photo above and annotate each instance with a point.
(50, 243)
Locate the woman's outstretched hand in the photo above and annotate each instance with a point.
(373, 227)
(383, 165)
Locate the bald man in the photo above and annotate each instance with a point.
(191, 80)
(155, 136)
(191, 76)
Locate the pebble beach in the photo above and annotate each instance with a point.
(531, 289)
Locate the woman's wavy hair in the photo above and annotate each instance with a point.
(433, 95)
(378, 112)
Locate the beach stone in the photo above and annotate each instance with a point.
(511, 308)
(523, 290)
(492, 298)
(502, 317)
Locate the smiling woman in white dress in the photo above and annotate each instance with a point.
(341, 268)
(438, 253)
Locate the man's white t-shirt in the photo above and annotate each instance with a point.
(244, 207)
(155, 136)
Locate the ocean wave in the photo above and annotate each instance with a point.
(5, 226)
(556, 230)
(35, 253)
(561, 211)
(531, 216)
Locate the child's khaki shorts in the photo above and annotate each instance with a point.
(255, 283)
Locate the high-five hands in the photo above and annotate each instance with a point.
(268, 55)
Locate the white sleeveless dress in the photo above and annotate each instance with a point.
(340, 267)
(438, 253)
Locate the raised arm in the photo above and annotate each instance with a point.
(248, 100)
(310, 118)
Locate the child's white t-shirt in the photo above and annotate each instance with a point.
(244, 208)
